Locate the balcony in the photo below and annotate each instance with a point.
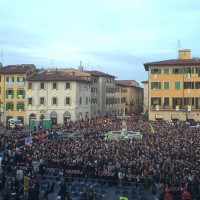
(173, 107)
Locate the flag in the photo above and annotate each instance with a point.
(152, 129)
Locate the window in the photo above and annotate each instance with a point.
(41, 100)
(20, 79)
(42, 86)
(155, 71)
(166, 71)
(30, 101)
(54, 86)
(155, 85)
(67, 101)
(0, 90)
(177, 85)
(80, 101)
(177, 102)
(20, 93)
(9, 93)
(188, 85)
(30, 86)
(177, 71)
(86, 100)
(80, 86)
(95, 80)
(67, 86)
(166, 85)
(9, 106)
(155, 101)
(54, 101)
(20, 106)
(166, 101)
(198, 71)
(85, 87)
(10, 79)
(197, 85)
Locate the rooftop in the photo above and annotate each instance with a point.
(98, 73)
(16, 69)
(172, 62)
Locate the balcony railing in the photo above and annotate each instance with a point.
(173, 107)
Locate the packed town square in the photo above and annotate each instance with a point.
(78, 160)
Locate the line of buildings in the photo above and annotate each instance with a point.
(172, 91)
(64, 94)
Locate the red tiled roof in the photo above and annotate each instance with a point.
(15, 69)
(98, 73)
(54, 76)
(127, 83)
(172, 62)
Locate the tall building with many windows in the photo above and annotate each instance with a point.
(58, 96)
(13, 95)
(174, 88)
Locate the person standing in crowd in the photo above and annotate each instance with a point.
(90, 193)
(50, 189)
(62, 191)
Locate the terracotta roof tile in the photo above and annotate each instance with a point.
(98, 73)
(54, 76)
(173, 62)
(127, 83)
(15, 69)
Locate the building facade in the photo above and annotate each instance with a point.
(133, 95)
(58, 96)
(13, 91)
(174, 88)
(146, 97)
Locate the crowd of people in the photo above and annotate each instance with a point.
(166, 159)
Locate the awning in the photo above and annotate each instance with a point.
(175, 116)
(159, 116)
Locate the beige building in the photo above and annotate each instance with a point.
(58, 96)
(133, 95)
(146, 97)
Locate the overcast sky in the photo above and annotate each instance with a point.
(113, 36)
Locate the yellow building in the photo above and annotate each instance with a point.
(133, 95)
(12, 95)
(174, 88)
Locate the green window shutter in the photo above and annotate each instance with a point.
(0, 78)
(192, 70)
(13, 79)
(17, 106)
(193, 101)
(166, 101)
(22, 106)
(6, 106)
(23, 79)
(152, 71)
(7, 79)
(17, 93)
(159, 85)
(0, 90)
(152, 85)
(185, 101)
(197, 70)
(12, 93)
(192, 85)
(159, 71)
(173, 71)
(181, 71)
(17, 79)
(185, 70)
(24, 93)
(166, 71)
(166, 85)
(6, 93)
